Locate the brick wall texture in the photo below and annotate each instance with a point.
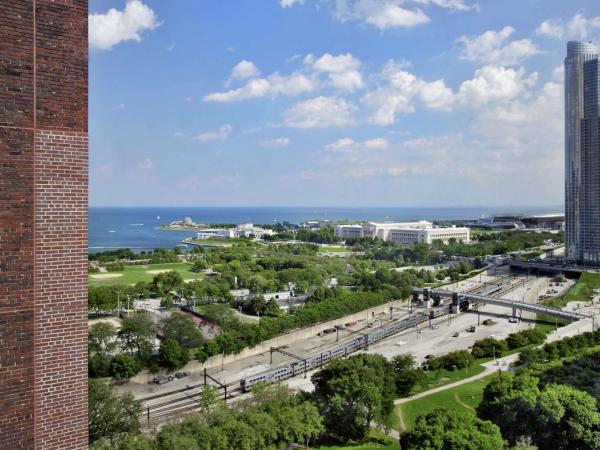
(43, 224)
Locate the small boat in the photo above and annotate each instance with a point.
(111, 231)
(157, 217)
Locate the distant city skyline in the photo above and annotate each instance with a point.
(318, 102)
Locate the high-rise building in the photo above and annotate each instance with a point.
(43, 224)
(582, 153)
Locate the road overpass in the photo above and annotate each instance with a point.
(514, 305)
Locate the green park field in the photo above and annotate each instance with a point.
(464, 398)
(582, 291)
(135, 274)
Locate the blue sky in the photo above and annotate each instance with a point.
(330, 102)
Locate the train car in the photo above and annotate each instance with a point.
(358, 343)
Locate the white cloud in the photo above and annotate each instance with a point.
(579, 27)
(277, 142)
(347, 145)
(551, 28)
(290, 3)
(492, 48)
(178, 135)
(271, 86)
(244, 69)
(113, 27)
(381, 14)
(436, 95)
(558, 74)
(343, 70)
(493, 83)
(188, 99)
(320, 112)
(403, 91)
(220, 135)
(146, 165)
(457, 5)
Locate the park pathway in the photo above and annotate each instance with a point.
(504, 362)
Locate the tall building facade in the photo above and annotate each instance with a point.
(43, 224)
(582, 153)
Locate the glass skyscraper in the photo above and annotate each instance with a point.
(582, 153)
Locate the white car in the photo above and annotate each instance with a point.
(513, 320)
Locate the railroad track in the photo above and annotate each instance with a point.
(184, 401)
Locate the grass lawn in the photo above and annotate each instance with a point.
(442, 377)
(376, 441)
(134, 274)
(464, 398)
(582, 291)
(332, 249)
(210, 242)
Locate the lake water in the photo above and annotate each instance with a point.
(137, 228)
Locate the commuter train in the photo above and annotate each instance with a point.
(361, 342)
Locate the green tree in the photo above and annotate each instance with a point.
(137, 335)
(111, 415)
(565, 418)
(183, 329)
(406, 373)
(171, 355)
(101, 346)
(209, 399)
(444, 429)
(488, 348)
(353, 392)
(123, 366)
(167, 281)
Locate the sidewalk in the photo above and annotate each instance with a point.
(503, 363)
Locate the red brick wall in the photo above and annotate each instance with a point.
(43, 224)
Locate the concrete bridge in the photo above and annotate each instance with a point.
(514, 305)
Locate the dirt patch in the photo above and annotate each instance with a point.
(105, 276)
(460, 402)
(157, 271)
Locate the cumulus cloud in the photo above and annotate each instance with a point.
(342, 70)
(290, 3)
(347, 145)
(403, 91)
(113, 27)
(492, 47)
(244, 69)
(320, 112)
(272, 86)
(381, 14)
(494, 83)
(517, 144)
(579, 27)
(277, 142)
(457, 5)
(220, 135)
(551, 28)
(384, 14)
